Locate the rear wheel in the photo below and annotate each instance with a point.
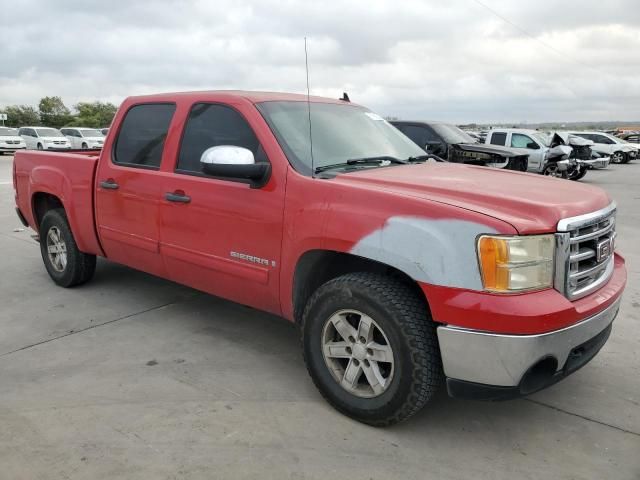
(371, 348)
(66, 265)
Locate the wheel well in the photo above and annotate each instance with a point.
(317, 267)
(42, 203)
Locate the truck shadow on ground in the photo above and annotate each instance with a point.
(233, 330)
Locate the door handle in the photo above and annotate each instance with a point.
(177, 196)
(109, 184)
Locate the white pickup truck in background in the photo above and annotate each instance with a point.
(571, 160)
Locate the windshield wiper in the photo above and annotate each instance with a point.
(378, 160)
(424, 158)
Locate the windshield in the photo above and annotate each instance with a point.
(452, 134)
(48, 132)
(90, 132)
(8, 132)
(542, 138)
(615, 139)
(339, 133)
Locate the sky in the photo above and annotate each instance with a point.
(460, 60)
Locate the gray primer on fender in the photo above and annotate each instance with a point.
(439, 252)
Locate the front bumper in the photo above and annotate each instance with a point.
(11, 148)
(596, 162)
(493, 366)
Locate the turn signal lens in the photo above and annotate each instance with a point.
(511, 264)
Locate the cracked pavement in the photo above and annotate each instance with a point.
(135, 377)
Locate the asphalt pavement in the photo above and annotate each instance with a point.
(135, 377)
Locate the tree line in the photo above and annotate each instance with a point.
(52, 112)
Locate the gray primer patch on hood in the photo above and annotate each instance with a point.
(439, 252)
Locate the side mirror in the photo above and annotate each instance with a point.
(435, 147)
(533, 146)
(229, 161)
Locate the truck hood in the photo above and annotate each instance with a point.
(485, 148)
(530, 203)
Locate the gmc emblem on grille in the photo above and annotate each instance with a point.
(603, 250)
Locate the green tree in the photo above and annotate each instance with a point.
(53, 112)
(94, 114)
(21, 115)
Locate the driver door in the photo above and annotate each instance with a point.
(220, 235)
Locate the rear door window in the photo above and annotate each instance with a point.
(142, 134)
(498, 138)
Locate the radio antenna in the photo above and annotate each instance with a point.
(306, 65)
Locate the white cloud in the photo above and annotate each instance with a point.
(453, 61)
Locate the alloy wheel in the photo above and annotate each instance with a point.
(56, 249)
(357, 353)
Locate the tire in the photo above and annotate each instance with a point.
(578, 174)
(551, 170)
(84, 146)
(617, 157)
(402, 331)
(39, 146)
(75, 268)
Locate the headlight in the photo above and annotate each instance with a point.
(513, 264)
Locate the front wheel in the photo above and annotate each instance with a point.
(578, 173)
(39, 146)
(67, 266)
(552, 170)
(84, 146)
(617, 157)
(371, 348)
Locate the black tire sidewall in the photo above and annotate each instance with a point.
(54, 218)
(363, 409)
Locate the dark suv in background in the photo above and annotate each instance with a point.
(453, 144)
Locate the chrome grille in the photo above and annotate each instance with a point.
(584, 249)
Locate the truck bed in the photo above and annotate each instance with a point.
(68, 176)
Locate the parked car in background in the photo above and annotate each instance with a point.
(606, 144)
(633, 138)
(453, 144)
(535, 143)
(10, 141)
(84, 138)
(548, 155)
(43, 138)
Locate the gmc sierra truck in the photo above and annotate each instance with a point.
(403, 274)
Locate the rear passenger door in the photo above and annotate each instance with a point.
(129, 188)
(220, 235)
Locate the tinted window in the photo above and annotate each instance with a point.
(211, 125)
(519, 140)
(420, 135)
(498, 138)
(142, 134)
(602, 139)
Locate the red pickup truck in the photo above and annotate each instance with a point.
(403, 274)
